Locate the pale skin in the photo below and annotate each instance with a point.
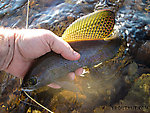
(33, 43)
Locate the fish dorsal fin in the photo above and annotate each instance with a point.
(95, 26)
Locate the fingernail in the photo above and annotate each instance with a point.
(75, 53)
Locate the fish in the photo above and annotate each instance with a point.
(86, 36)
(50, 67)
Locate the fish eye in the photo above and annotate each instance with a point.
(33, 81)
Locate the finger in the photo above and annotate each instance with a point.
(59, 46)
(79, 71)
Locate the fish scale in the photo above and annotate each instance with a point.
(95, 26)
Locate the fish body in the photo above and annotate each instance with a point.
(85, 35)
(50, 67)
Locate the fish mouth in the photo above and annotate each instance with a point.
(24, 87)
(27, 89)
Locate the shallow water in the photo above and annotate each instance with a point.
(126, 93)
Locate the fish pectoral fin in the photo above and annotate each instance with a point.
(68, 85)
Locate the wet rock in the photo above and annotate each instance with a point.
(8, 7)
(143, 53)
(113, 5)
(57, 19)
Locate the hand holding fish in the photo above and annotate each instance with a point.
(19, 48)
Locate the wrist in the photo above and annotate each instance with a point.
(7, 45)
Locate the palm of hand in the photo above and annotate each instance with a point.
(31, 44)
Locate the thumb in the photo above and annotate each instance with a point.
(58, 45)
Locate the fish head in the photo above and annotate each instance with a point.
(33, 79)
(29, 84)
(33, 83)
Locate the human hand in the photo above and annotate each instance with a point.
(33, 43)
